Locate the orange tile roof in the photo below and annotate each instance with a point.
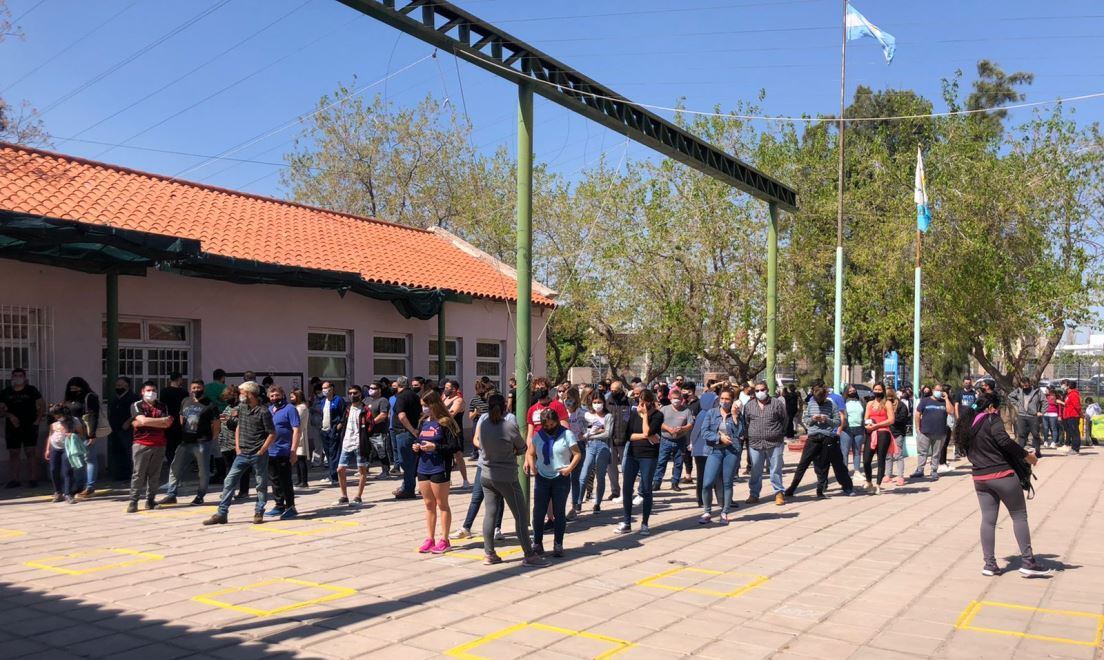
(243, 226)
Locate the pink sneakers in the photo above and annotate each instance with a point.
(442, 547)
(428, 546)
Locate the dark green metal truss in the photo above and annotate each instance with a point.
(452, 29)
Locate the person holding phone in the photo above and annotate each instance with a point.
(642, 435)
(552, 456)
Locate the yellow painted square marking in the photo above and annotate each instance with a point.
(48, 563)
(463, 651)
(320, 527)
(655, 582)
(334, 593)
(11, 533)
(966, 619)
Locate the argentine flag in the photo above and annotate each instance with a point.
(858, 27)
(920, 195)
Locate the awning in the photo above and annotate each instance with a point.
(92, 248)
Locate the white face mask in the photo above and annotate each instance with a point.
(761, 395)
(938, 395)
(598, 406)
(149, 397)
(425, 410)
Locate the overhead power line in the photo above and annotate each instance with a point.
(135, 55)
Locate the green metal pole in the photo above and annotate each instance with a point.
(524, 262)
(441, 346)
(837, 346)
(112, 333)
(772, 297)
(837, 362)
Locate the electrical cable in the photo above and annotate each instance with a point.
(28, 12)
(193, 70)
(133, 56)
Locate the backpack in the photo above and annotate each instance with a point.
(76, 451)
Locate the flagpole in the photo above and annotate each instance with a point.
(916, 313)
(837, 366)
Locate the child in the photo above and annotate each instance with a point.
(61, 472)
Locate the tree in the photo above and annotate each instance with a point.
(19, 123)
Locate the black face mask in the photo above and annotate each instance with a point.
(120, 390)
(355, 397)
(540, 393)
(926, 393)
(879, 395)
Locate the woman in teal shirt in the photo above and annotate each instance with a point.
(855, 434)
(552, 457)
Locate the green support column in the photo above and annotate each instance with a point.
(112, 333)
(524, 261)
(441, 346)
(772, 298)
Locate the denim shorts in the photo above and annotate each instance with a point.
(347, 458)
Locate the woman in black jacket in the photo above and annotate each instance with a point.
(991, 453)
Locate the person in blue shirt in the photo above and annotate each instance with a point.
(331, 410)
(721, 430)
(282, 453)
(552, 457)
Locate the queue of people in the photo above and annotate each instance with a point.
(574, 441)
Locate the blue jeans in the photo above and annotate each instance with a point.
(721, 463)
(405, 441)
(86, 478)
(633, 466)
(1050, 430)
(477, 502)
(774, 459)
(669, 450)
(201, 452)
(852, 440)
(577, 488)
(61, 472)
(331, 447)
(242, 462)
(597, 458)
(555, 491)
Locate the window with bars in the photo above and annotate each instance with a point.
(26, 342)
(329, 356)
(151, 349)
(390, 356)
(452, 358)
(488, 361)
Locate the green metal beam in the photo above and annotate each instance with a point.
(112, 313)
(450, 28)
(441, 369)
(524, 262)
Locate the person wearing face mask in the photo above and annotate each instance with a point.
(596, 436)
(331, 409)
(121, 438)
(1070, 402)
(620, 407)
(898, 429)
(642, 435)
(199, 423)
(674, 434)
(283, 453)
(379, 410)
(1030, 403)
(765, 420)
(405, 413)
(228, 426)
(454, 401)
(825, 423)
(930, 420)
(85, 406)
(879, 419)
(853, 437)
(542, 400)
(355, 447)
(24, 409)
(436, 445)
(150, 419)
(254, 433)
(551, 458)
(302, 462)
(720, 430)
(576, 422)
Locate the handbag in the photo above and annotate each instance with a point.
(76, 451)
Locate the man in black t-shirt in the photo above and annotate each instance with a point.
(199, 423)
(404, 428)
(173, 396)
(379, 408)
(23, 409)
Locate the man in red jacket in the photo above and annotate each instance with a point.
(1071, 415)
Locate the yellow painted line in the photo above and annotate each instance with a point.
(463, 651)
(965, 621)
(296, 528)
(140, 557)
(654, 582)
(335, 593)
(11, 533)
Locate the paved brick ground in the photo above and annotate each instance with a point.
(864, 577)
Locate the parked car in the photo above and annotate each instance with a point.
(864, 391)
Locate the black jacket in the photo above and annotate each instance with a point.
(990, 447)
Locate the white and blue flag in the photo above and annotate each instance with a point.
(858, 27)
(920, 195)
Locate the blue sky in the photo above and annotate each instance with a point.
(710, 51)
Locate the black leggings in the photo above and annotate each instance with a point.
(302, 470)
(884, 438)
